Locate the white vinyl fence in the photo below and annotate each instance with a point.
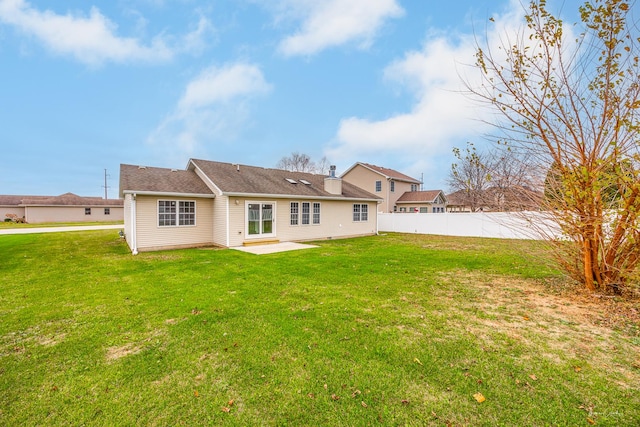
(506, 225)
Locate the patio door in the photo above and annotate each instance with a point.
(260, 219)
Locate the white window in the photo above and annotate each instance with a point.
(176, 212)
(260, 219)
(378, 186)
(424, 209)
(360, 212)
(316, 213)
(295, 210)
(305, 213)
(186, 213)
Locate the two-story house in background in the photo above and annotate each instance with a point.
(399, 192)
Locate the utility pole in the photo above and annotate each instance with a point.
(105, 184)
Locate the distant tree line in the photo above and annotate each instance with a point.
(300, 162)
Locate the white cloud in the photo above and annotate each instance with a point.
(213, 107)
(90, 39)
(441, 116)
(336, 22)
(218, 85)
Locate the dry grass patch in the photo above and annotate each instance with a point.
(563, 327)
(118, 352)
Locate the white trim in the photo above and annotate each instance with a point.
(134, 229)
(169, 194)
(227, 226)
(191, 162)
(177, 213)
(246, 219)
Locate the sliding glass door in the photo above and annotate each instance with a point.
(260, 219)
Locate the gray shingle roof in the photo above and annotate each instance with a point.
(427, 196)
(390, 173)
(67, 199)
(243, 179)
(160, 180)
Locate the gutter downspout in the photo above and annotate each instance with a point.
(228, 226)
(389, 208)
(134, 231)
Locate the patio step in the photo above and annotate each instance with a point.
(260, 242)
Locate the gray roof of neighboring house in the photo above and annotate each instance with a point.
(428, 196)
(388, 173)
(242, 179)
(67, 199)
(144, 179)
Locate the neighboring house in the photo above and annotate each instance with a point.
(495, 199)
(227, 205)
(67, 207)
(386, 183)
(458, 201)
(431, 201)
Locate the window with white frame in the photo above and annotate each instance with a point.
(316, 213)
(107, 211)
(186, 213)
(295, 211)
(360, 212)
(260, 219)
(87, 211)
(173, 213)
(305, 213)
(393, 186)
(378, 186)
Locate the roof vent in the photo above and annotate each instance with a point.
(142, 167)
(174, 170)
(291, 181)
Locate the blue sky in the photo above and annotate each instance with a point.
(86, 86)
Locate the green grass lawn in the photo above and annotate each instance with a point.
(385, 330)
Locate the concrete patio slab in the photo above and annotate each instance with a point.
(273, 248)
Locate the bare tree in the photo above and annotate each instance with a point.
(496, 179)
(574, 103)
(470, 176)
(300, 162)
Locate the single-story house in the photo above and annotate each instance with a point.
(389, 184)
(67, 207)
(430, 201)
(495, 199)
(227, 205)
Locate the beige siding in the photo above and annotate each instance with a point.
(336, 221)
(237, 220)
(40, 214)
(4, 210)
(410, 207)
(366, 179)
(220, 220)
(150, 236)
